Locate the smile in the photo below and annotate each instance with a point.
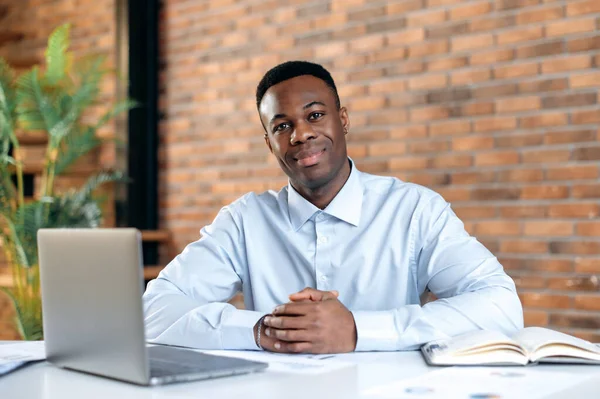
(309, 159)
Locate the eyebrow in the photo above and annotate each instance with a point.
(310, 104)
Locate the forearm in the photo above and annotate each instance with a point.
(407, 328)
(176, 319)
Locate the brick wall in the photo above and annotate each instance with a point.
(24, 29)
(492, 103)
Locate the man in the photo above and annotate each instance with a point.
(366, 246)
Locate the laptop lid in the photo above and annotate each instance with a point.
(92, 285)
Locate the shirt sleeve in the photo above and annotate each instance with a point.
(472, 288)
(186, 304)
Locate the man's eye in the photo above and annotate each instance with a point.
(315, 115)
(281, 127)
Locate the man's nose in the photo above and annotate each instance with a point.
(303, 132)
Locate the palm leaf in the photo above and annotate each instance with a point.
(116, 110)
(36, 110)
(56, 55)
(74, 146)
(16, 242)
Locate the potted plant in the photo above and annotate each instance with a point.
(52, 100)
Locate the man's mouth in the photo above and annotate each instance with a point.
(309, 158)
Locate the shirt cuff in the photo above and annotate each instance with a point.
(237, 331)
(375, 331)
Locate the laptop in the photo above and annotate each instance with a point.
(92, 285)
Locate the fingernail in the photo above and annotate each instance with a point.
(268, 332)
(277, 345)
(267, 320)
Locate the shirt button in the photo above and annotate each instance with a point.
(323, 240)
(323, 278)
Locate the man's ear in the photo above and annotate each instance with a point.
(268, 142)
(345, 119)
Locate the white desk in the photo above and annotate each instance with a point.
(45, 381)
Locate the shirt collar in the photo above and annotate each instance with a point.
(346, 205)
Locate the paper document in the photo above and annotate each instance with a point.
(480, 383)
(288, 363)
(16, 355)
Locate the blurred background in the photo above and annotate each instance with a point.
(491, 103)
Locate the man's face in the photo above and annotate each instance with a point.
(305, 130)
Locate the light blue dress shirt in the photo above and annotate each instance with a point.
(381, 242)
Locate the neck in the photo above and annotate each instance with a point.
(323, 195)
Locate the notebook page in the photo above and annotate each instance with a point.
(533, 338)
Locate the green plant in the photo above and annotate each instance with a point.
(54, 101)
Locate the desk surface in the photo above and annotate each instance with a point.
(43, 380)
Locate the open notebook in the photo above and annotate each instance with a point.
(530, 345)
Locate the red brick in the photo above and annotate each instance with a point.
(520, 175)
(470, 76)
(386, 148)
(539, 300)
(405, 37)
(526, 34)
(474, 109)
(588, 302)
(515, 71)
(429, 81)
(585, 283)
(569, 136)
(539, 15)
(366, 103)
(428, 146)
(497, 158)
(409, 132)
(587, 153)
(493, 194)
(589, 229)
(462, 43)
(498, 228)
(492, 57)
(518, 104)
(539, 264)
(586, 116)
(548, 228)
(540, 49)
(404, 7)
(575, 247)
(535, 318)
(570, 26)
(443, 64)
(543, 120)
(408, 163)
(451, 161)
(366, 43)
(452, 194)
(583, 7)
(585, 191)
(428, 48)
(524, 247)
(470, 10)
(519, 140)
(429, 113)
(575, 321)
(544, 192)
(572, 172)
(524, 282)
(450, 128)
(475, 212)
(473, 177)
(577, 210)
(546, 156)
(587, 265)
(569, 63)
(523, 211)
(430, 17)
(584, 44)
(492, 23)
(543, 85)
(512, 4)
(590, 79)
(494, 124)
(495, 91)
(472, 143)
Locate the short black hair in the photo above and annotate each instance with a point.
(292, 69)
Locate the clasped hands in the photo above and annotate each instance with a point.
(312, 322)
